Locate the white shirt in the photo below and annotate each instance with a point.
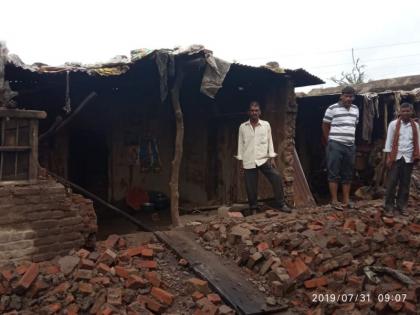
(255, 146)
(343, 122)
(405, 141)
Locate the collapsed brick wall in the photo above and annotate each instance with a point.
(41, 220)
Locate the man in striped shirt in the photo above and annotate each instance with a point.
(339, 129)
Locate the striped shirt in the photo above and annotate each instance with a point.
(343, 123)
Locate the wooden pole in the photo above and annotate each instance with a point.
(179, 139)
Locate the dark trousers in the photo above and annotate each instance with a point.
(251, 183)
(399, 174)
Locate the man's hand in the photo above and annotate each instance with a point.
(389, 162)
(272, 162)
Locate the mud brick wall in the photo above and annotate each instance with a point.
(41, 220)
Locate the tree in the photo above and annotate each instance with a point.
(355, 76)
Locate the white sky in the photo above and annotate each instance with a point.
(315, 35)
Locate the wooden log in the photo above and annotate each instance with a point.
(99, 200)
(179, 139)
(65, 122)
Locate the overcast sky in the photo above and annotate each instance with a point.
(315, 35)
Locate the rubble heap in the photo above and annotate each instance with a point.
(113, 279)
(306, 259)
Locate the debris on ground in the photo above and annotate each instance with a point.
(116, 278)
(323, 261)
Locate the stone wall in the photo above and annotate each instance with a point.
(41, 220)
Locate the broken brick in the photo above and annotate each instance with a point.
(151, 304)
(103, 268)
(262, 246)
(162, 296)
(108, 257)
(235, 215)
(316, 282)
(121, 272)
(135, 282)
(214, 298)
(29, 276)
(83, 274)
(297, 269)
(147, 252)
(114, 296)
(153, 278)
(195, 284)
(83, 253)
(197, 295)
(85, 288)
(86, 264)
(111, 241)
(147, 264)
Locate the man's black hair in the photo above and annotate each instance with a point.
(405, 105)
(348, 90)
(254, 103)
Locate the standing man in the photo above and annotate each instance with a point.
(339, 130)
(402, 149)
(256, 151)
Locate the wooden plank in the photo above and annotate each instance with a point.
(20, 113)
(301, 192)
(33, 141)
(223, 277)
(15, 148)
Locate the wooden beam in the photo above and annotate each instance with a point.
(99, 200)
(61, 124)
(179, 139)
(224, 277)
(20, 113)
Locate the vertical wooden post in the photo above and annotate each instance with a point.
(179, 139)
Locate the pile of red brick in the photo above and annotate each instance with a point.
(113, 279)
(308, 259)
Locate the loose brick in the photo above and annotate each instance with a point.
(111, 241)
(154, 278)
(85, 288)
(195, 284)
(103, 268)
(136, 282)
(235, 214)
(262, 246)
(147, 252)
(316, 282)
(83, 253)
(147, 264)
(122, 272)
(100, 280)
(214, 298)
(133, 251)
(83, 274)
(197, 296)
(151, 304)
(108, 257)
(52, 308)
(86, 264)
(297, 269)
(162, 296)
(29, 277)
(114, 296)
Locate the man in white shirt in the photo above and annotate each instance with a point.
(256, 152)
(402, 151)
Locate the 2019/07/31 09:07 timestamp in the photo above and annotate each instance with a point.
(360, 297)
